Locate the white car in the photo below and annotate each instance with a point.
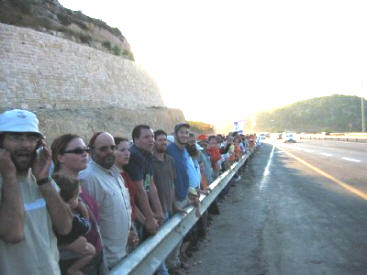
(289, 137)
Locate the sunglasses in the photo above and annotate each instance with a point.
(78, 151)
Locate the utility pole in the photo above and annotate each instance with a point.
(362, 113)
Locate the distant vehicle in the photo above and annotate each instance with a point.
(262, 136)
(289, 137)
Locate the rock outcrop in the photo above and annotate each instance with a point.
(76, 88)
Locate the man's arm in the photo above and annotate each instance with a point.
(60, 212)
(156, 203)
(11, 203)
(142, 199)
(139, 215)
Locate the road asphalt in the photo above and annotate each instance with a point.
(283, 217)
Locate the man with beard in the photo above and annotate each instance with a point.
(179, 153)
(103, 182)
(164, 174)
(30, 207)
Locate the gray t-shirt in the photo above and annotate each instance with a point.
(107, 188)
(164, 174)
(37, 253)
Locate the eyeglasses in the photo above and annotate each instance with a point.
(19, 137)
(78, 151)
(105, 148)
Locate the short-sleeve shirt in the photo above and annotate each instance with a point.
(193, 170)
(164, 174)
(208, 169)
(181, 158)
(140, 166)
(107, 188)
(80, 227)
(37, 253)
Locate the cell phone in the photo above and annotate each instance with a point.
(39, 147)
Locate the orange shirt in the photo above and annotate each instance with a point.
(214, 156)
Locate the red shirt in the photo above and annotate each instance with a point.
(132, 192)
(214, 156)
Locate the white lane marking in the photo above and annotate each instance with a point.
(350, 159)
(267, 171)
(326, 154)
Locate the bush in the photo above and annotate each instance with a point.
(116, 50)
(85, 38)
(128, 55)
(64, 19)
(107, 45)
(22, 5)
(81, 24)
(44, 22)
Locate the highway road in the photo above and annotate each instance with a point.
(299, 209)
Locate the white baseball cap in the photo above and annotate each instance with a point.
(19, 121)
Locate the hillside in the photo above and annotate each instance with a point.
(75, 88)
(201, 127)
(336, 113)
(51, 17)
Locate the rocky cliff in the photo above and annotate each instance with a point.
(50, 17)
(76, 88)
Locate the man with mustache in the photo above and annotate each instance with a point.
(30, 207)
(104, 183)
(177, 150)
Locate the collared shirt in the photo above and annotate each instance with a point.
(181, 158)
(107, 188)
(193, 171)
(140, 166)
(37, 253)
(208, 169)
(164, 174)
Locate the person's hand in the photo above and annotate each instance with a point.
(7, 167)
(181, 211)
(151, 225)
(133, 239)
(160, 218)
(205, 191)
(42, 163)
(82, 209)
(89, 249)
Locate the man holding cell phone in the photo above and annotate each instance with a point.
(30, 206)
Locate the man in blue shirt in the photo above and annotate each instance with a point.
(178, 152)
(180, 155)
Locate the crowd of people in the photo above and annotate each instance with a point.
(79, 207)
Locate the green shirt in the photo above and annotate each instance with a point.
(37, 253)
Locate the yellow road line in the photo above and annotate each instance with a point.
(355, 191)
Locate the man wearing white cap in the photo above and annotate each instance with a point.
(30, 207)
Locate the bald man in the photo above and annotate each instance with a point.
(103, 182)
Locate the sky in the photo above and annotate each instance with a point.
(221, 61)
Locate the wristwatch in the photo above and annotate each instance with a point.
(43, 181)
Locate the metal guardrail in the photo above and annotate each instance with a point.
(354, 137)
(149, 255)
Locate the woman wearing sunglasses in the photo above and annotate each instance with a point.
(70, 156)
